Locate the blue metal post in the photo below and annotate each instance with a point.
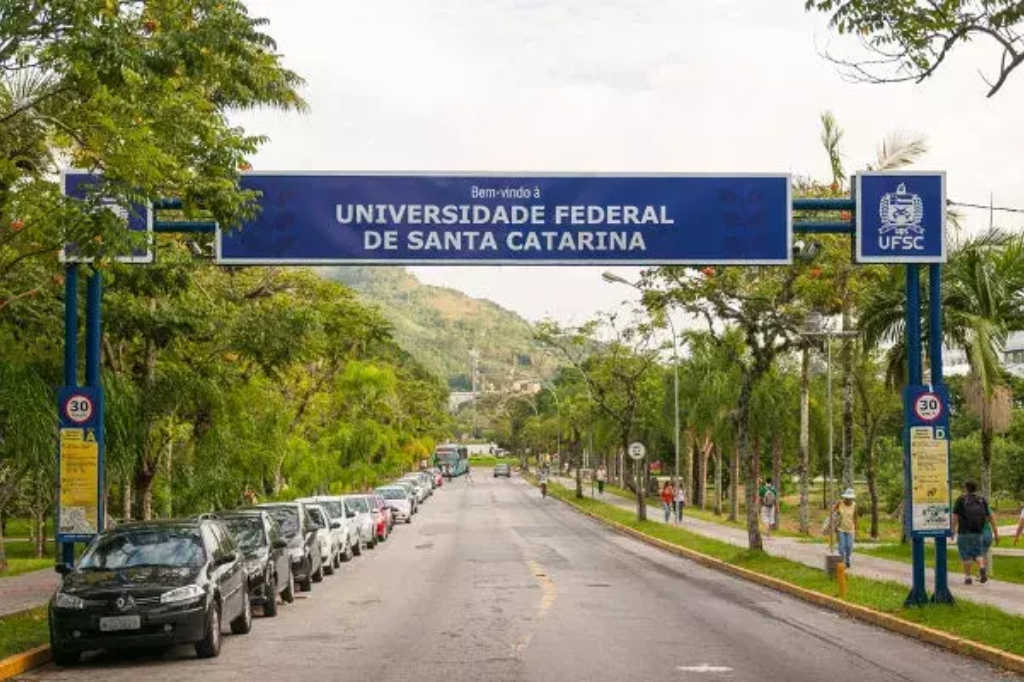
(918, 594)
(93, 339)
(942, 594)
(67, 549)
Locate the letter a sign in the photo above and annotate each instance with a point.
(901, 217)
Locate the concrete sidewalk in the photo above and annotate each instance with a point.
(27, 590)
(1008, 597)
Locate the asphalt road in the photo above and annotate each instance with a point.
(491, 582)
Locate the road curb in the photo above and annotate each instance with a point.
(17, 664)
(965, 647)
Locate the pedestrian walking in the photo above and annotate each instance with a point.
(680, 502)
(668, 498)
(972, 514)
(768, 497)
(602, 476)
(845, 514)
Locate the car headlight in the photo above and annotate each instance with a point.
(296, 554)
(253, 568)
(69, 601)
(182, 594)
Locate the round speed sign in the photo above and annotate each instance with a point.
(928, 407)
(78, 408)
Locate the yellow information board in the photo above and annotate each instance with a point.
(79, 482)
(929, 470)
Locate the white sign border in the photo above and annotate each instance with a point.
(145, 259)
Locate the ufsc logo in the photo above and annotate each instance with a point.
(902, 213)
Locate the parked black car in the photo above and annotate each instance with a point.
(151, 584)
(268, 566)
(301, 532)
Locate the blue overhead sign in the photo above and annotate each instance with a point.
(901, 217)
(83, 185)
(325, 219)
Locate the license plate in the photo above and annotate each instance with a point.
(115, 623)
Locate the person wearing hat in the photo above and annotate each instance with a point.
(845, 513)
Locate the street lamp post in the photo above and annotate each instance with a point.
(814, 330)
(615, 279)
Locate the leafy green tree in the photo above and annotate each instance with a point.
(980, 304)
(137, 90)
(910, 39)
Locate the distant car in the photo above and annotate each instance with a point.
(410, 490)
(502, 470)
(268, 567)
(303, 536)
(343, 526)
(151, 584)
(400, 501)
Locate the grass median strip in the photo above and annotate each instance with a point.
(19, 566)
(983, 624)
(22, 631)
(1007, 568)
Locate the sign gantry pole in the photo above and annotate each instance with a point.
(942, 594)
(918, 594)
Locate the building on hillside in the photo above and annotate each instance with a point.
(457, 399)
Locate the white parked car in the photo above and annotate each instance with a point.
(397, 497)
(367, 535)
(417, 485)
(329, 549)
(343, 528)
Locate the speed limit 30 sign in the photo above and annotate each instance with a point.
(78, 408)
(928, 407)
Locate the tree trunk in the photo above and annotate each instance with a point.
(847, 365)
(749, 462)
(986, 461)
(144, 493)
(870, 474)
(705, 453)
(755, 450)
(805, 440)
(734, 485)
(638, 478)
(718, 481)
(126, 513)
(777, 475)
(3, 549)
(576, 448)
(39, 522)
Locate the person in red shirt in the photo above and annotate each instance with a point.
(668, 496)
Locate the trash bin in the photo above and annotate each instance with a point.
(831, 561)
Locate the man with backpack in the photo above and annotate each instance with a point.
(972, 513)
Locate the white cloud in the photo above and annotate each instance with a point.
(608, 85)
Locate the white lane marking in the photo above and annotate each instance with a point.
(703, 668)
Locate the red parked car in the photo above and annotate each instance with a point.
(382, 516)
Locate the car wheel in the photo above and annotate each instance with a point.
(288, 593)
(337, 559)
(209, 645)
(358, 548)
(373, 541)
(242, 625)
(328, 566)
(270, 597)
(307, 584)
(318, 577)
(347, 555)
(64, 658)
(408, 519)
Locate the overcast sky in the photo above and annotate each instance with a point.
(610, 85)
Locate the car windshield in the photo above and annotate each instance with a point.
(392, 493)
(247, 531)
(358, 505)
(288, 517)
(177, 547)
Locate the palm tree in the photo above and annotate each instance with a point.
(981, 303)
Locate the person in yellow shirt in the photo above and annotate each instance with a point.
(845, 514)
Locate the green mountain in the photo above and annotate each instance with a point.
(442, 327)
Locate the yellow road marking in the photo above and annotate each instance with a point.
(548, 595)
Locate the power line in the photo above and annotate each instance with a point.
(1003, 209)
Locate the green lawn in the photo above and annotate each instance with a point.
(1007, 568)
(984, 624)
(23, 631)
(491, 461)
(19, 566)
